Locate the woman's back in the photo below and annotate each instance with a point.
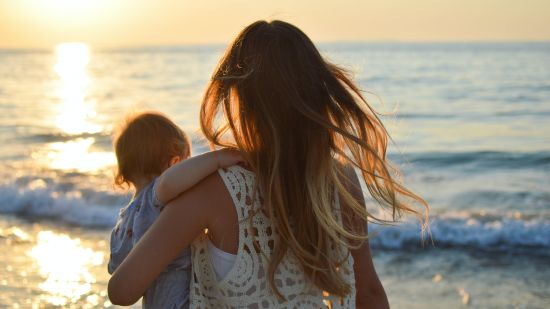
(246, 285)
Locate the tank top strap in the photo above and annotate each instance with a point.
(240, 183)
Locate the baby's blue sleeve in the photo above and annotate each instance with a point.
(119, 248)
(155, 202)
(112, 265)
(146, 212)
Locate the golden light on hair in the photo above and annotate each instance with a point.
(304, 126)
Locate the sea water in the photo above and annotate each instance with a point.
(470, 124)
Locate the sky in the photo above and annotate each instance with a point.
(126, 23)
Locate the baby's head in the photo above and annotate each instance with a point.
(146, 144)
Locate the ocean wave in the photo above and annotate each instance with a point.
(477, 115)
(478, 231)
(73, 208)
(467, 229)
(501, 199)
(52, 137)
(478, 159)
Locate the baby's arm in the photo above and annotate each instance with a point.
(183, 175)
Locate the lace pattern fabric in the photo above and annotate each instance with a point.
(246, 285)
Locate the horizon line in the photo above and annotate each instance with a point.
(107, 47)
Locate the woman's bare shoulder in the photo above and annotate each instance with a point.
(209, 196)
(210, 202)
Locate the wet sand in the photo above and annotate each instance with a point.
(45, 266)
(58, 266)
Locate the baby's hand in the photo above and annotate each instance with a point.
(228, 157)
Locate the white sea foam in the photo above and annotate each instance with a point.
(463, 229)
(467, 230)
(44, 203)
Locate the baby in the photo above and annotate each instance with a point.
(152, 155)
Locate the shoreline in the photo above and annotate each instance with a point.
(35, 275)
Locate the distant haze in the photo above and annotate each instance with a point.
(113, 23)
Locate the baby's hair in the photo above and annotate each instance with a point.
(144, 145)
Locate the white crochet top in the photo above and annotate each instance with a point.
(247, 285)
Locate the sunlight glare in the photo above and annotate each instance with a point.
(74, 113)
(64, 262)
(76, 155)
(73, 5)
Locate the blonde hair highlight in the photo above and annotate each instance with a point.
(292, 113)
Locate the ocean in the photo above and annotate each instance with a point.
(470, 124)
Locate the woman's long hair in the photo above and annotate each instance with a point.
(293, 113)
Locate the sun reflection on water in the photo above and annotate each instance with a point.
(65, 263)
(76, 155)
(74, 115)
(75, 112)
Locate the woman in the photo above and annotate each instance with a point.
(293, 233)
